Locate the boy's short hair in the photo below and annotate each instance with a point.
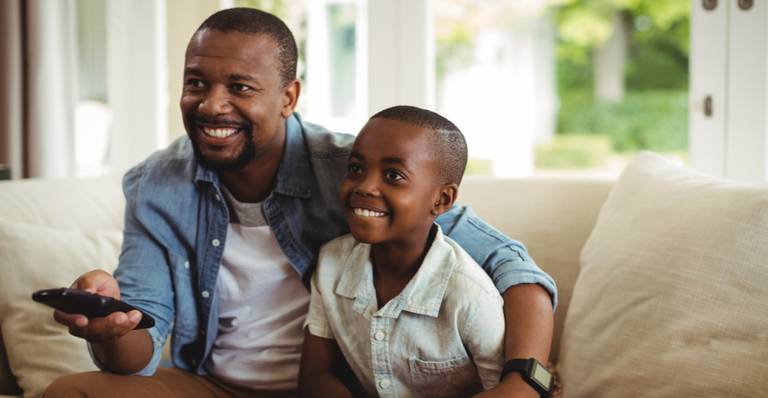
(449, 148)
(251, 21)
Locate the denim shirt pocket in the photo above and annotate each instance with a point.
(455, 377)
(185, 322)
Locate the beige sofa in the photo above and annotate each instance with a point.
(635, 333)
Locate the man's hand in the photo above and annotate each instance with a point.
(134, 350)
(99, 330)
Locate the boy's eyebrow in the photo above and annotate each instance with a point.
(396, 160)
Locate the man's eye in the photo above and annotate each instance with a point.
(195, 82)
(393, 175)
(240, 87)
(354, 169)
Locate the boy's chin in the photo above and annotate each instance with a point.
(364, 237)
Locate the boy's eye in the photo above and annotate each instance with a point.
(354, 169)
(240, 87)
(393, 175)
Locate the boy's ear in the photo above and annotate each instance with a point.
(446, 199)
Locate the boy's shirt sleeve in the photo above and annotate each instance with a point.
(505, 260)
(317, 319)
(484, 338)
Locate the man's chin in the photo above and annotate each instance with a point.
(227, 165)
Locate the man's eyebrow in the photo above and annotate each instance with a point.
(193, 71)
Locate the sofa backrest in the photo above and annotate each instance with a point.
(551, 217)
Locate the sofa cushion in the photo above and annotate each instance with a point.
(672, 297)
(34, 258)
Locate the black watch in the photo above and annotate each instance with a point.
(534, 373)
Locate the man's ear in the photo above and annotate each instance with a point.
(290, 96)
(445, 199)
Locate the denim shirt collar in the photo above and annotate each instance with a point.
(422, 295)
(293, 177)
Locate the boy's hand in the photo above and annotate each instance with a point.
(513, 385)
(99, 330)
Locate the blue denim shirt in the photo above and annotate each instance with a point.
(176, 223)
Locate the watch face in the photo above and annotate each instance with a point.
(541, 374)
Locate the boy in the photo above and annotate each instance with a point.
(408, 309)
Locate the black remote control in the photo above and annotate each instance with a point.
(91, 305)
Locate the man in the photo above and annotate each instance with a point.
(222, 231)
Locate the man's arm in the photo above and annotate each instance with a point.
(145, 283)
(530, 295)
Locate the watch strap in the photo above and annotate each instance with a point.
(525, 366)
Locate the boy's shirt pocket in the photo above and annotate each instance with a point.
(455, 377)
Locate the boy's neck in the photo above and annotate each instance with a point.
(395, 264)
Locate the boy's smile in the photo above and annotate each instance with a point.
(390, 189)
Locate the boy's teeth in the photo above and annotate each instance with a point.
(367, 213)
(219, 132)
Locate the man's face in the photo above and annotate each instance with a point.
(232, 101)
(390, 189)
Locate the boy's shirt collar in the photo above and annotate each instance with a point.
(422, 295)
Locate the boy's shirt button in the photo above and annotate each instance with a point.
(379, 336)
(384, 384)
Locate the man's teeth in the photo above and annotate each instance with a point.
(367, 213)
(219, 132)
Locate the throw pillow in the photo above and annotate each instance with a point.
(672, 297)
(33, 258)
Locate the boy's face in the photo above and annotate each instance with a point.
(390, 189)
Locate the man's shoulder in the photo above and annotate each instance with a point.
(164, 168)
(323, 143)
(178, 156)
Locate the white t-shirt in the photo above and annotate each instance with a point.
(262, 307)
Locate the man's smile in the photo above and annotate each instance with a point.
(220, 132)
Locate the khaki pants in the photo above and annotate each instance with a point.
(165, 383)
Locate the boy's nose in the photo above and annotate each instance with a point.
(365, 188)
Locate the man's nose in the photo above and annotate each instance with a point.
(216, 102)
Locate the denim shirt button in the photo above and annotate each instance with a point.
(186, 264)
(215, 243)
(379, 336)
(205, 294)
(218, 198)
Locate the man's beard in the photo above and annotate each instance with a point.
(233, 164)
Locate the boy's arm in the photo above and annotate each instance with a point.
(321, 360)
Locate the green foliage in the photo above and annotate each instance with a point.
(479, 167)
(453, 50)
(654, 120)
(573, 151)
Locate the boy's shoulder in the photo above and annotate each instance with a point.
(467, 274)
(335, 254)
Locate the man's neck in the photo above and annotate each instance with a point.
(255, 182)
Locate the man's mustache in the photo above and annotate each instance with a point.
(217, 121)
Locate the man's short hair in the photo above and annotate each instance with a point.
(256, 22)
(447, 144)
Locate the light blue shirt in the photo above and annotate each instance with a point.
(176, 222)
(443, 335)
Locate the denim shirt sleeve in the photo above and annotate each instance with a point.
(143, 274)
(505, 260)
